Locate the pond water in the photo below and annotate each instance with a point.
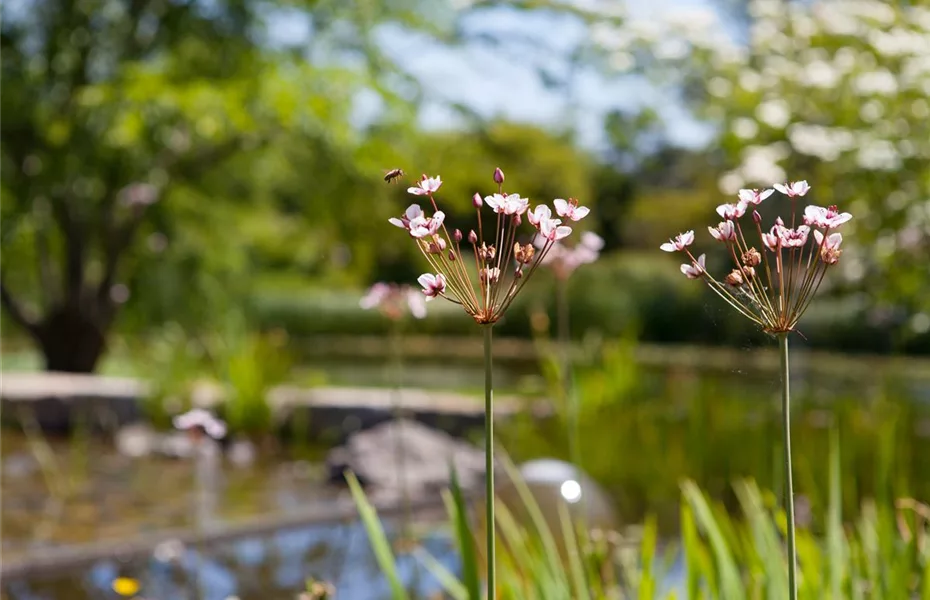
(275, 566)
(643, 428)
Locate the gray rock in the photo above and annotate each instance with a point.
(241, 453)
(176, 444)
(139, 440)
(136, 441)
(403, 453)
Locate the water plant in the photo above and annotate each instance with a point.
(203, 429)
(502, 266)
(396, 303)
(883, 553)
(772, 287)
(562, 260)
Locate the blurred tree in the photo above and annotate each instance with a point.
(176, 120)
(225, 134)
(831, 91)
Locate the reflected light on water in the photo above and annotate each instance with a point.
(571, 490)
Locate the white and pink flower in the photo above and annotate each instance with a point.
(412, 213)
(539, 214)
(392, 300)
(427, 226)
(508, 204)
(793, 189)
(724, 232)
(793, 238)
(569, 209)
(694, 270)
(829, 246)
(553, 230)
(828, 218)
(679, 243)
(201, 419)
(426, 186)
(754, 197)
(731, 212)
(416, 303)
(770, 240)
(375, 296)
(434, 285)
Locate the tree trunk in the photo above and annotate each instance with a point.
(71, 341)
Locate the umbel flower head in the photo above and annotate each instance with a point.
(200, 420)
(394, 301)
(563, 259)
(771, 283)
(486, 283)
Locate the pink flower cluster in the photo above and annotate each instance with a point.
(394, 301)
(503, 265)
(200, 420)
(563, 260)
(772, 288)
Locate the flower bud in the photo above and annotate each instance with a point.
(735, 278)
(751, 257)
(441, 243)
(473, 237)
(457, 235)
(517, 219)
(498, 176)
(756, 216)
(451, 256)
(476, 200)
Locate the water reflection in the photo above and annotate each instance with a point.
(272, 567)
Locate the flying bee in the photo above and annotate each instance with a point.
(393, 174)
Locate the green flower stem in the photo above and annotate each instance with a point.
(789, 486)
(398, 414)
(489, 455)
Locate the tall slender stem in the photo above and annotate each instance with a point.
(789, 486)
(489, 455)
(398, 414)
(565, 368)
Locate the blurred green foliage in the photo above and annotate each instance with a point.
(717, 425)
(833, 92)
(718, 553)
(166, 164)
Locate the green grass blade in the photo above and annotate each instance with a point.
(836, 547)
(767, 543)
(574, 554)
(376, 537)
(449, 582)
(731, 585)
(647, 582)
(466, 541)
(539, 522)
(692, 549)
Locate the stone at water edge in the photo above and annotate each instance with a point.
(136, 440)
(373, 456)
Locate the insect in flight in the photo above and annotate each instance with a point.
(393, 174)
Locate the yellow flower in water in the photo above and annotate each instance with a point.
(126, 586)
